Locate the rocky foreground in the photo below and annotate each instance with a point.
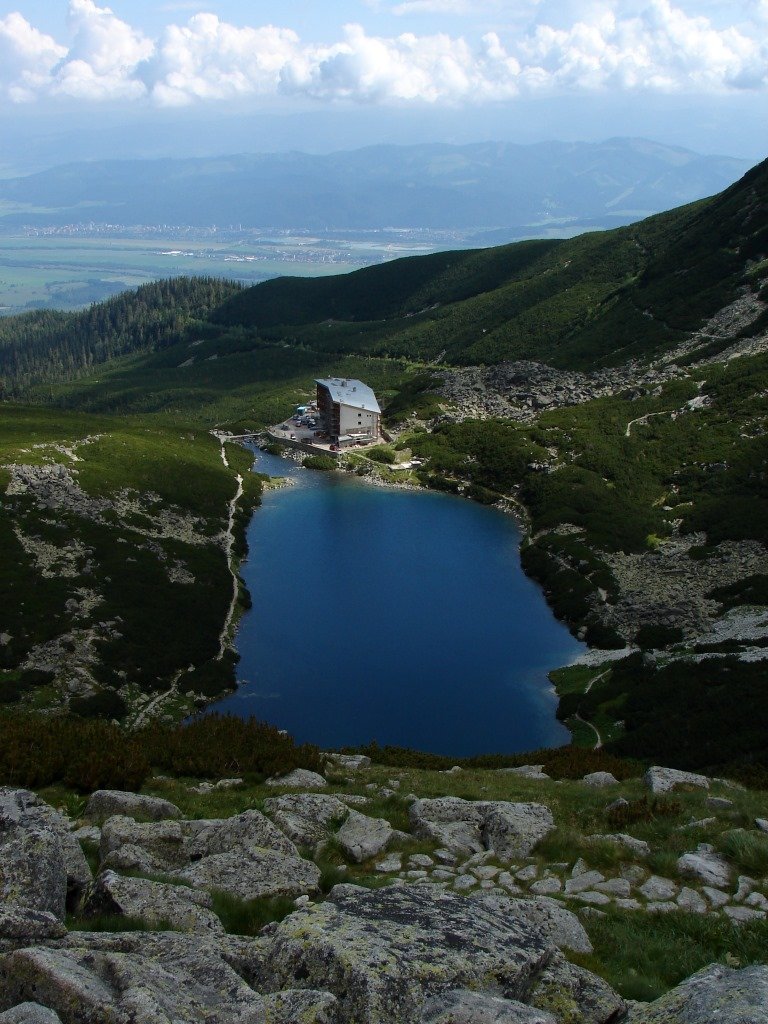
(478, 930)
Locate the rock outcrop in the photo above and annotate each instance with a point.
(465, 826)
(106, 803)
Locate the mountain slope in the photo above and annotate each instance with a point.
(599, 298)
(488, 185)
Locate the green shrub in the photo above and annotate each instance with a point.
(104, 704)
(644, 809)
(382, 453)
(223, 745)
(37, 750)
(656, 637)
(321, 462)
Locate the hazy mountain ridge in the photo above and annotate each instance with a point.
(521, 189)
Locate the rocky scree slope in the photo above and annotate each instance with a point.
(479, 929)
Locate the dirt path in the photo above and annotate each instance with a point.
(599, 738)
(596, 679)
(228, 542)
(644, 419)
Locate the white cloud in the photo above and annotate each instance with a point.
(433, 7)
(27, 58)
(606, 45)
(104, 57)
(210, 59)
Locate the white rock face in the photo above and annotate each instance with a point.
(664, 780)
(106, 803)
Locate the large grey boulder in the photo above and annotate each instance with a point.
(350, 762)
(132, 978)
(261, 873)
(383, 953)
(22, 809)
(158, 846)
(550, 919)
(29, 1013)
(32, 870)
(706, 866)
(600, 779)
(155, 903)
(714, 995)
(306, 818)
(22, 925)
(245, 832)
(574, 994)
(361, 837)
(301, 1006)
(462, 1006)
(299, 778)
(106, 803)
(509, 830)
(664, 780)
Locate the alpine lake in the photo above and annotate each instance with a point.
(393, 615)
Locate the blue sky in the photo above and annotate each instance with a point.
(699, 67)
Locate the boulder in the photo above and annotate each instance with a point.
(528, 771)
(29, 1013)
(512, 830)
(462, 1006)
(600, 779)
(23, 809)
(465, 827)
(299, 778)
(361, 837)
(716, 993)
(33, 875)
(156, 903)
(583, 881)
(98, 978)
(383, 953)
(160, 846)
(574, 994)
(262, 873)
(306, 818)
(351, 762)
(301, 1006)
(22, 925)
(246, 832)
(551, 920)
(637, 847)
(657, 888)
(107, 803)
(454, 823)
(705, 866)
(664, 780)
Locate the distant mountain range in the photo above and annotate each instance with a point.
(497, 191)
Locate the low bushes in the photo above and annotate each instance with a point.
(89, 754)
(325, 463)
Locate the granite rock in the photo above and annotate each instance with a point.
(107, 803)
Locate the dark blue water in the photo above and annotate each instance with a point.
(397, 616)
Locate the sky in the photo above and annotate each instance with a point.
(691, 70)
